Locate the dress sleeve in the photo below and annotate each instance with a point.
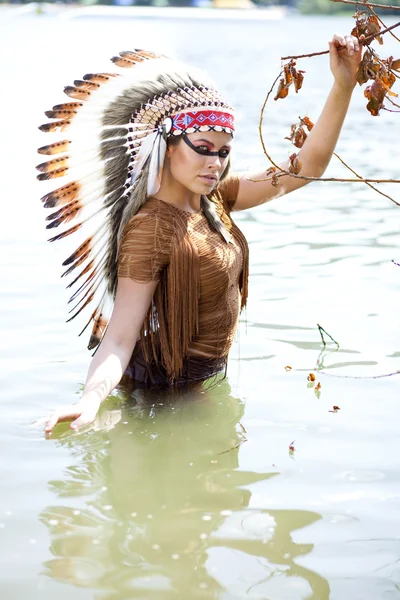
(229, 189)
(145, 248)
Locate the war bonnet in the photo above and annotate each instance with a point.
(116, 131)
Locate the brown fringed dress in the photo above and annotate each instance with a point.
(190, 326)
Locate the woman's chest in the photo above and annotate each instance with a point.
(220, 262)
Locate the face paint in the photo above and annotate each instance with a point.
(204, 151)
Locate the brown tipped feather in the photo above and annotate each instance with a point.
(81, 308)
(99, 77)
(65, 214)
(76, 93)
(86, 85)
(75, 256)
(56, 148)
(97, 315)
(61, 196)
(81, 274)
(86, 284)
(55, 126)
(52, 174)
(81, 260)
(51, 165)
(138, 55)
(64, 234)
(149, 54)
(123, 62)
(132, 56)
(91, 318)
(60, 114)
(68, 106)
(99, 328)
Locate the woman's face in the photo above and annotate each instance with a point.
(198, 172)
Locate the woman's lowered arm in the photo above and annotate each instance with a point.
(111, 359)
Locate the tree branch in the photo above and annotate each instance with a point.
(282, 172)
(362, 180)
(363, 42)
(366, 4)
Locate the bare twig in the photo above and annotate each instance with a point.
(282, 172)
(340, 180)
(243, 428)
(363, 180)
(305, 55)
(260, 127)
(366, 4)
(321, 332)
(233, 448)
(363, 42)
(391, 102)
(360, 376)
(319, 368)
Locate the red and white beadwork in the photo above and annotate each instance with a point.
(200, 120)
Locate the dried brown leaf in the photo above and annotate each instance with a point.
(307, 122)
(275, 180)
(283, 90)
(294, 164)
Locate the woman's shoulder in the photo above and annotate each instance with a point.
(227, 191)
(152, 219)
(146, 243)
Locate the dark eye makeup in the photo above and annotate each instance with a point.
(204, 150)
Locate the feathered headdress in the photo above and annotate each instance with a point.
(112, 156)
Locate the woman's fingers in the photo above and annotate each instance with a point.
(84, 419)
(69, 413)
(350, 41)
(51, 423)
(80, 415)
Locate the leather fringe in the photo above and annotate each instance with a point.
(172, 320)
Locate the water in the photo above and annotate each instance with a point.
(202, 498)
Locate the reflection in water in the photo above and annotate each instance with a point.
(166, 510)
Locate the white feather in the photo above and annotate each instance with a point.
(156, 165)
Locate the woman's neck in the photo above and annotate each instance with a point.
(173, 192)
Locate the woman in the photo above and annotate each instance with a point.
(181, 278)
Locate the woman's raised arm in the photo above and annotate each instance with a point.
(111, 359)
(314, 156)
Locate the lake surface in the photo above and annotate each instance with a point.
(202, 498)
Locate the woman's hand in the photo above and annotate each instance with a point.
(81, 414)
(345, 56)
